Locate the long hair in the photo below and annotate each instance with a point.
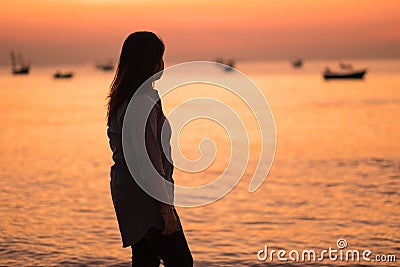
(140, 57)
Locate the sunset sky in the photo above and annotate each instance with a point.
(75, 31)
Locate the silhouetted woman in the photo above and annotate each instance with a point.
(150, 227)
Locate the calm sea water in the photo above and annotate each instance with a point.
(336, 172)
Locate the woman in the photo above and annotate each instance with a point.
(150, 227)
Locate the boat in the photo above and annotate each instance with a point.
(63, 75)
(19, 68)
(227, 65)
(298, 63)
(230, 64)
(348, 74)
(105, 67)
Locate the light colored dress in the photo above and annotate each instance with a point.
(137, 211)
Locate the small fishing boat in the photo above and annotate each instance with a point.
(105, 67)
(63, 75)
(348, 74)
(227, 65)
(19, 68)
(230, 64)
(297, 63)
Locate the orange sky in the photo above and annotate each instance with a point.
(73, 31)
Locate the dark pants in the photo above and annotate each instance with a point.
(172, 249)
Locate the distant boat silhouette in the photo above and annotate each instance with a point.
(229, 64)
(61, 75)
(297, 63)
(105, 67)
(352, 74)
(18, 68)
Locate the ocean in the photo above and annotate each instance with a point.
(335, 176)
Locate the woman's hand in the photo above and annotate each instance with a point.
(170, 221)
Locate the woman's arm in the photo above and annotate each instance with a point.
(154, 151)
(153, 142)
